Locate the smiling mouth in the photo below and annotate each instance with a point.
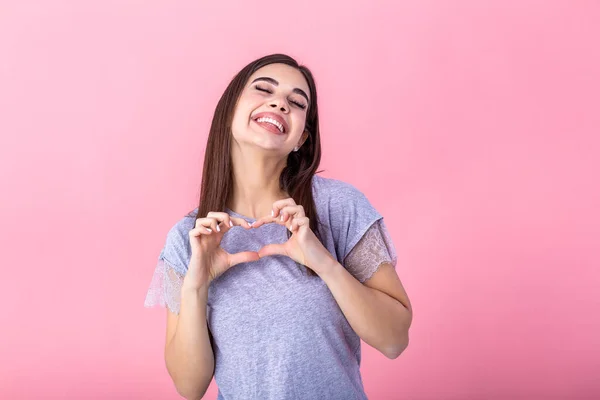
(270, 124)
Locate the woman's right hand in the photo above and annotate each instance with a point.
(208, 259)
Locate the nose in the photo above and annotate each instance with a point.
(279, 104)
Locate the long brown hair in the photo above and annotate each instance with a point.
(295, 179)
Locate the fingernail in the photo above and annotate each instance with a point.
(272, 213)
(208, 229)
(231, 224)
(218, 228)
(282, 217)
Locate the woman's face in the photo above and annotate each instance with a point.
(271, 110)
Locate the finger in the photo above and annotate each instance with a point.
(294, 225)
(201, 230)
(279, 204)
(284, 216)
(263, 221)
(228, 221)
(243, 223)
(293, 211)
(214, 218)
(210, 223)
(244, 256)
(206, 222)
(271, 250)
(223, 219)
(298, 222)
(235, 221)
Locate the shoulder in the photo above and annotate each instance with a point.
(182, 227)
(343, 205)
(176, 250)
(328, 190)
(343, 201)
(347, 210)
(327, 184)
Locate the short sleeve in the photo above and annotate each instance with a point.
(362, 241)
(165, 287)
(372, 250)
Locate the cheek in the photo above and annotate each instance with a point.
(246, 105)
(299, 122)
(251, 100)
(241, 114)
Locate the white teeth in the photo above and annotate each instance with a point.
(271, 121)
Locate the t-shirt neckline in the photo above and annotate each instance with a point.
(230, 211)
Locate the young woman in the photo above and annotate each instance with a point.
(273, 280)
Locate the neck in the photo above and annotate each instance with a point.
(255, 182)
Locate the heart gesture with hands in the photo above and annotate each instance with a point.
(209, 260)
(303, 246)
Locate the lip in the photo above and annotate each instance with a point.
(275, 117)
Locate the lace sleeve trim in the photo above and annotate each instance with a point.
(372, 250)
(165, 287)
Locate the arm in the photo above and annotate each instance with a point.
(188, 353)
(379, 310)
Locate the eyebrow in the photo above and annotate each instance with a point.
(274, 82)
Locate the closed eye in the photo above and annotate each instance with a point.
(263, 89)
(296, 103)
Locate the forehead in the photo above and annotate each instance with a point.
(284, 74)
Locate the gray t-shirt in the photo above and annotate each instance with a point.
(279, 333)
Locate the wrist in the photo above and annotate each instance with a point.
(329, 268)
(193, 298)
(193, 287)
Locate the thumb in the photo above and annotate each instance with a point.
(271, 250)
(244, 256)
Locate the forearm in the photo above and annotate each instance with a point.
(379, 319)
(189, 356)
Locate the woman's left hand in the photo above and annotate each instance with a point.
(303, 246)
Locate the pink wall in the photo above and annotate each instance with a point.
(472, 125)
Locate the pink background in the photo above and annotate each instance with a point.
(471, 125)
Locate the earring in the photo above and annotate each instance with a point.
(296, 148)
